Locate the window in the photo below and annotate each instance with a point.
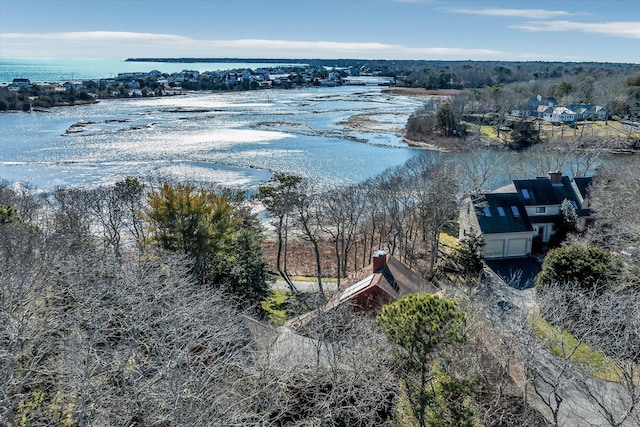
(525, 193)
(541, 209)
(500, 211)
(487, 212)
(515, 211)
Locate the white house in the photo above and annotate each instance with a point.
(559, 115)
(590, 111)
(73, 86)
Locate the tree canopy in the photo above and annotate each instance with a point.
(445, 119)
(588, 267)
(420, 325)
(222, 239)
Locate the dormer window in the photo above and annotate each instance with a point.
(515, 211)
(541, 209)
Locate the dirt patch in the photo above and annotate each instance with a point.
(441, 143)
(370, 123)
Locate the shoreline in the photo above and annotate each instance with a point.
(420, 92)
(361, 122)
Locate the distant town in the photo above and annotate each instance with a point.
(23, 94)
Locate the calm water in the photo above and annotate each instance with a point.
(234, 139)
(59, 70)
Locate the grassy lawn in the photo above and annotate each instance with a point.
(449, 238)
(562, 343)
(488, 133)
(597, 129)
(586, 130)
(312, 279)
(276, 306)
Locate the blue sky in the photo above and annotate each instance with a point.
(569, 30)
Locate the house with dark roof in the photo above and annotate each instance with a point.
(590, 111)
(21, 82)
(534, 107)
(512, 218)
(383, 281)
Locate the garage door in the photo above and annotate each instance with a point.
(517, 247)
(494, 248)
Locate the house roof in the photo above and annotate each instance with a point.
(395, 279)
(581, 108)
(581, 189)
(501, 213)
(582, 184)
(535, 192)
(541, 191)
(284, 348)
(390, 283)
(562, 110)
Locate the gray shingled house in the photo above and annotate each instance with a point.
(513, 218)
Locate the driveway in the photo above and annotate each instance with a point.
(519, 273)
(576, 389)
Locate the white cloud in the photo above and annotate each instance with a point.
(114, 36)
(620, 29)
(519, 13)
(414, 1)
(106, 44)
(129, 44)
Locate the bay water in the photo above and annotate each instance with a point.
(235, 139)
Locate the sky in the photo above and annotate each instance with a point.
(569, 30)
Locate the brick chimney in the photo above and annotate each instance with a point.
(555, 177)
(379, 261)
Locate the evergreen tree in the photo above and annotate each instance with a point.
(420, 325)
(469, 257)
(445, 119)
(222, 240)
(589, 267)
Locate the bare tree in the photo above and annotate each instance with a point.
(308, 220)
(615, 199)
(341, 213)
(436, 186)
(606, 321)
(279, 200)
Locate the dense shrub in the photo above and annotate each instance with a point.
(590, 267)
